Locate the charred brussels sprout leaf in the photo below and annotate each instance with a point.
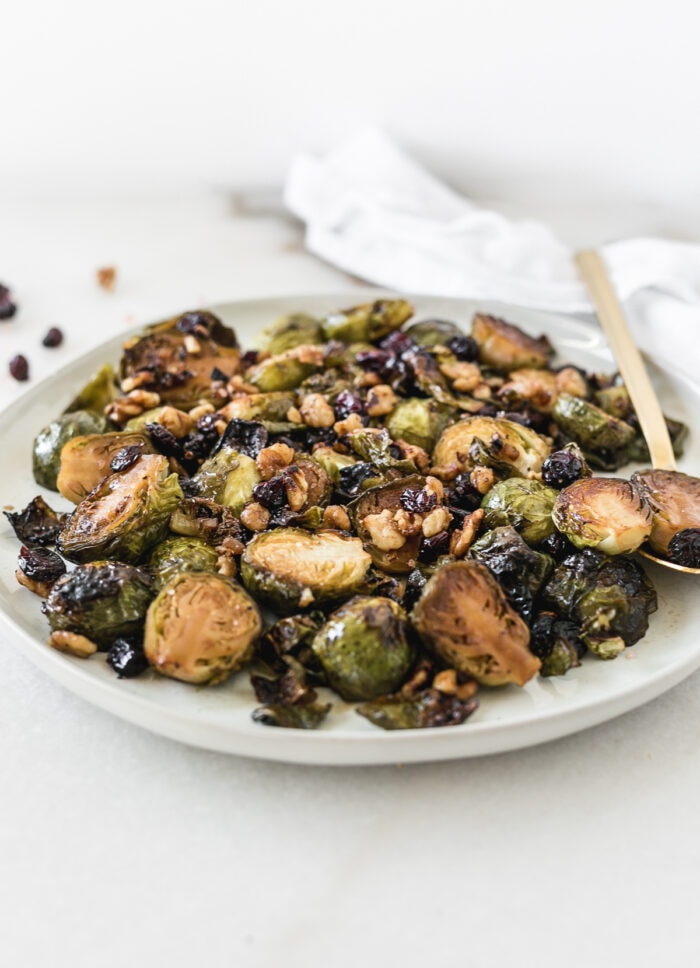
(100, 390)
(201, 628)
(519, 569)
(101, 600)
(523, 504)
(125, 515)
(674, 499)
(423, 710)
(364, 648)
(605, 513)
(609, 598)
(506, 347)
(367, 323)
(85, 461)
(195, 517)
(557, 643)
(244, 436)
(298, 329)
(50, 441)
(37, 524)
(605, 440)
(289, 568)
(175, 556)
(511, 449)
(418, 421)
(288, 701)
(463, 616)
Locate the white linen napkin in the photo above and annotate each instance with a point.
(374, 212)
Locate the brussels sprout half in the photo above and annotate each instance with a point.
(101, 600)
(526, 505)
(175, 556)
(289, 568)
(85, 461)
(674, 499)
(49, 442)
(364, 648)
(298, 329)
(418, 421)
(100, 390)
(508, 447)
(506, 347)
(228, 478)
(368, 322)
(606, 513)
(464, 618)
(604, 439)
(201, 628)
(124, 515)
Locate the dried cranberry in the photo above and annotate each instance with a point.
(125, 457)
(397, 342)
(376, 361)
(684, 548)
(414, 586)
(195, 323)
(7, 307)
(419, 501)
(40, 564)
(272, 494)
(127, 658)
(19, 367)
(465, 348)
(557, 546)
(249, 358)
(561, 468)
(245, 436)
(54, 337)
(431, 548)
(353, 477)
(520, 598)
(218, 375)
(346, 403)
(166, 441)
(463, 494)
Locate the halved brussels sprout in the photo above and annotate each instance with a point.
(367, 323)
(464, 618)
(124, 515)
(674, 499)
(606, 513)
(398, 557)
(175, 556)
(433, 332)
(290, 568)
(201, 628)
(286, 370)
(364, 648)
(298, 329)
(524, 504)
(100, 390)
(609, 598)
(50, 441)
(269, 409)
(506, 347)
(101, 600)
(418, 421)
(603, 439)
(85, 461)
(228, 478)
(509, 448)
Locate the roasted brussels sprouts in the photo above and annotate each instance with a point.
(421, 710)
(269, 409)
(201, 628)
(520, 570)
(100, 390)
(125, 515)
(286, 370)
(367, 323)
(506, 347)
(332, 462)
(433, 332)
(50, 441)
(228, 478)
(37, 524)
(289, 568)
(606, 513)
(418, 421)
(288, 699)
(604, 440)
(464, 618)
(298, 329)
(557, 643)
(365, 648)
(195, 517)
(610, 599)
(101, 600)
(674, 499)
(511, 449)
(175, 556)
(524, 504)
(85, 461)
(373, 514)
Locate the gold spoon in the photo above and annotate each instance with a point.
(629, 360)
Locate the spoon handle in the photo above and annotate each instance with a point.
(628, 358)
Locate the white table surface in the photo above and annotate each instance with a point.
(120, 848)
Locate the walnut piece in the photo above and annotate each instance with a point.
(438, 520)
(336, 518)
(462, 540)
(353, 422)
(72, 644)
(271, 460)
(381, 400)
(383, 531)
(316, 411)
(255, 517)
(464, 376)
(412, 452)
(297, 488)
(482, 479)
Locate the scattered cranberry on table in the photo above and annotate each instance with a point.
(19, 367)
(54, 337)
(7, 307)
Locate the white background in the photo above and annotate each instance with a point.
(539, 100)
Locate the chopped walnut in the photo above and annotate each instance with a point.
(192, 345)
(132, 405)
(367, 379)
(411, 452)
(40, 588)
(408, 522)
(226, 566)
(176, 421)
(255, 517)
(539, 387)
(353, 422)
(201, 410)
(106, 277)
(383, 531)
(297, 488)
(306, 597)
(381, 400)
(503, 449)
(316, 411)
(434, 486)
(271, 460)
(462, 540)
(306, 353)
(482, 392)
(482, 479)
(293, 416)
(239, 407)
(418, 679)
(72, 644)
(439, 519)
(464, 376)
(237, 384)
(335, 517)
(231, 546)
(569, 380)
(139, 379)
(446, 682)
(467, 690)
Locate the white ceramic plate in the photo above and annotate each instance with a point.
(219, 718)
